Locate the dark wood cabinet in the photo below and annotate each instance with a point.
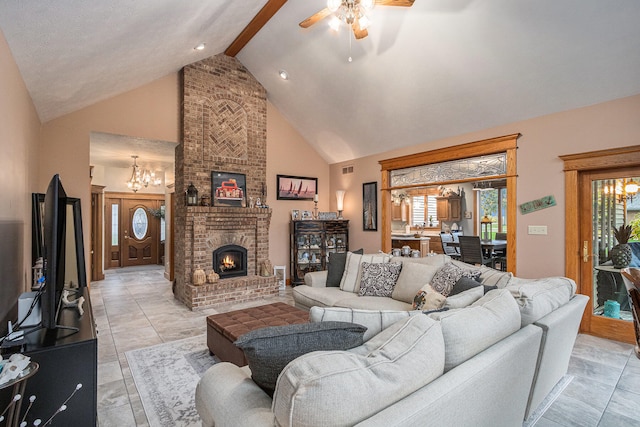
(66, 359)
(311, 242)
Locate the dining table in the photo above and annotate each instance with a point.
(487, 245)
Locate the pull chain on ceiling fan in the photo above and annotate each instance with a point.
(351, 12)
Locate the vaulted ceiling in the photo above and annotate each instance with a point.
(437, 69)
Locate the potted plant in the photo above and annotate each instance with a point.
(621, 253)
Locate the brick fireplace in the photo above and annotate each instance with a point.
(224, 130)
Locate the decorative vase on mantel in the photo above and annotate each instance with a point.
(621, 253)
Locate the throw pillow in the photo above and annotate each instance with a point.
(351, 277)
(335, 267)
(489, 288)
(413, 276)
(374, 320)
(268, 350)
(428, 299)
(447, 276)
(466, 298)
(379, 279)
(463, 284)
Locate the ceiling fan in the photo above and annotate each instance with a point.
(352, 13)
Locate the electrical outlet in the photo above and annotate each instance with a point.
(538, 229)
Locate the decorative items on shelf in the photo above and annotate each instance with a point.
(315, 206)
(192, 195)
(205, 200)
(212, 276)
(621, 253)
(199, 278)
(340, 202)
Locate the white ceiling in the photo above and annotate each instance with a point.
(437, 69)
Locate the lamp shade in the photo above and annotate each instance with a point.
(340, 199)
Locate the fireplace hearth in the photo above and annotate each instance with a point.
(230, 261)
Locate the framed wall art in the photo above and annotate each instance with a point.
(296, 187)
(228, 189)
(370, 206)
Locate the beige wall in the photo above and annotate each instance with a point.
(607, 125)
(150, 111)
(289, 154)
(19, 134)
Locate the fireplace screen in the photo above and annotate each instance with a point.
(230, 261)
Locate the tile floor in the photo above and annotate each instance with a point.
(135, 308)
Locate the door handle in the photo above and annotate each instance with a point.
(585, 251)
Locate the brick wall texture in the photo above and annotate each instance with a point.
(224, 129)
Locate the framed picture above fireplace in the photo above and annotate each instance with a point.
(228, 189)
(296, 187)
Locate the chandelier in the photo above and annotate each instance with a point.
(141, 178)
(623, 189)
(350, 12)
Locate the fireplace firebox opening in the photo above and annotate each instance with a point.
(230, 261)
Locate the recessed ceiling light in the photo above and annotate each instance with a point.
(283, 75)
(200, 46)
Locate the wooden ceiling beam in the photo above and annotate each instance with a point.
(258, 21)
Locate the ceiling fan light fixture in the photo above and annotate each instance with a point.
(334, 23)
(334, 5)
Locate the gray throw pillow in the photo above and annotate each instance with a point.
(269, 350)
(335, 267)
(447, 276)
(463, 284)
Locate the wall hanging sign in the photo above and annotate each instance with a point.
(536, 205)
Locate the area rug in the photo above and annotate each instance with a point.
(555, 392)
(166, 376)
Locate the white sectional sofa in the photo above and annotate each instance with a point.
(489, 363)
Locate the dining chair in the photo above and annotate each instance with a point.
(446, 238)
(501, 254)
(472, 253)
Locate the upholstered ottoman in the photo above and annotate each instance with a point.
(225, 328)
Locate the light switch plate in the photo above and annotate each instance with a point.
(538, 229)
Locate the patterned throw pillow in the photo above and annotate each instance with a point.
(428, 299)
(447, 276)
(378, 279)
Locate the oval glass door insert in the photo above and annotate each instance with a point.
(140, 223)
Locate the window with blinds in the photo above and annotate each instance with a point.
(423, 207)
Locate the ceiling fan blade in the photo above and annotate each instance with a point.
(315, 18)
(403, 3)
(358, 32)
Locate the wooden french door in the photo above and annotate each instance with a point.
(604, 205)
(587, 221)
(132, 231)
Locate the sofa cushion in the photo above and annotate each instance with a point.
(470, 330)
(538, 297)
(335, 267)
(351, 277)
(268, 350)
(448, 275)
(466, 298)
(428, 299)
(379, 278)
(412, 278)
(379, 303)
(346, 387)
(437, 260)
(488, 276)
(374, 320)
(308, 296)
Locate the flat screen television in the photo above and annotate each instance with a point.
(55, 211)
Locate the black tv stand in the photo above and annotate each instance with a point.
(66, 360)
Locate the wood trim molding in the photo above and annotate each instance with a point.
(601, 159)
(138, 196)
(471, 149)
(256, 24)
(501, 144)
